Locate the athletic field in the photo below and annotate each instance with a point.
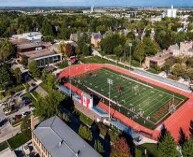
(139, 101)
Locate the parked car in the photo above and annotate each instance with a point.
(33, 84)
(2, 121)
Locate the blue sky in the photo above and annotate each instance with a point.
(96, 2)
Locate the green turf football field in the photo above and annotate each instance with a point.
(143, 100)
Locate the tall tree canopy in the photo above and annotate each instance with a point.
(6, 50)
(49, 106)
(167, 147)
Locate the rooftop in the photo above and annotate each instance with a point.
(32, 45)
(160, 56)
(38, 53)
(59, 139)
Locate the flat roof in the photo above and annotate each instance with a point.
(160, 56)
(33, 45)
(59, 139)
(38, 53)
(19, 41)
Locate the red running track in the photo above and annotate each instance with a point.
(180, 119)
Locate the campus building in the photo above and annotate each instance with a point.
(158, 60)
(54, 138)
(29, 49)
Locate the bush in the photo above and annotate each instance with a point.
(98, 146)
(85, 133)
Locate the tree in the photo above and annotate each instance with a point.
(118, 51)
(47, 29)
(120, 148)
(85, 49)
(62, 48)
(33, 68)
(178, 69)
(187, 149)
(5, 77)
(98, 146)
(26, 125)
(191, 128)
(49, 79)
(17, 73)
(85, 133)
(182, 138)
(167, 147)
(46, 107)
(139, 54)
(6, 50)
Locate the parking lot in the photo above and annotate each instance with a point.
(6, 129)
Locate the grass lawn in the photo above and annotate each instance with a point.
(140, 101)
(151, 149)
(94, 59)
(18, 140)
(3, 146)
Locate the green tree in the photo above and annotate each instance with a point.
(62, 48)
(98, 147)
(5, 77)
(17, 73)
(187, 149)
(120, 148)
(118, 51)
(85, 49)
(139, 54)
(178, 69)
(85, 133)
(26, 125)
(33, 68)
(49, 106)
(6, 50)
(47, 29)
(167, 147)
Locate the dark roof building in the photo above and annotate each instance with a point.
(53, 138)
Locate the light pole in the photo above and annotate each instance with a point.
(130, 45)
(110, 82)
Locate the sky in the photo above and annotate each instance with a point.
(177, 3)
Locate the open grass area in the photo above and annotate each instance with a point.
(18, 140)
(3, 146)
(140, 101)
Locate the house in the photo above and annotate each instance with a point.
(96, 39)
(158, 60)
(174, 49)
(184, 50)
(54, 138)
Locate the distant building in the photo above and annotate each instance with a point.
(53, 138)
(171, 13)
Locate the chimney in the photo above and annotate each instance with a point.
(32, 122)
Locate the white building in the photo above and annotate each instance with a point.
(31, 36)
(171, 13)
